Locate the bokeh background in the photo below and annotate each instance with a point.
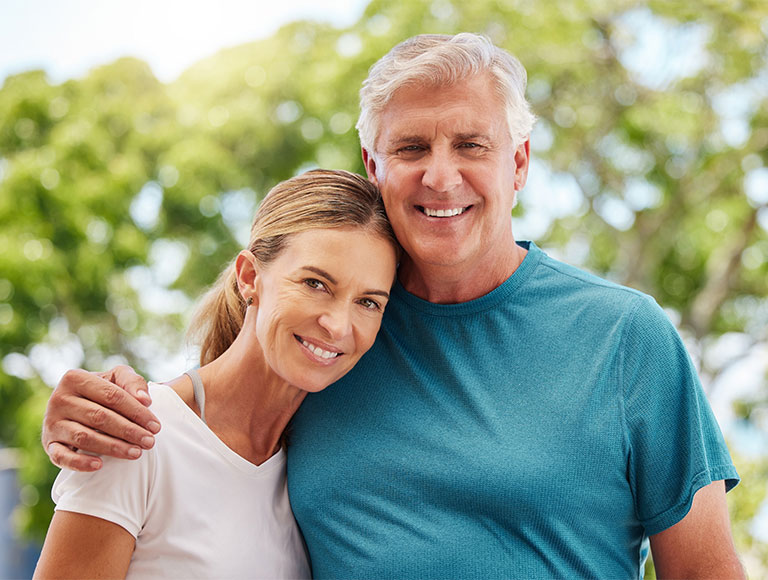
(128, 180)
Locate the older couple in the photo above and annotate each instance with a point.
(515, 416)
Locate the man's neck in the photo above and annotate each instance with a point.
(454, 284)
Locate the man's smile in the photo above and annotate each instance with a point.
(450, 212)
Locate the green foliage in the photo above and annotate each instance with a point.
(35, 470)
(743, 504)
(98, 175)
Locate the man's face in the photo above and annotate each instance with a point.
(448, 172)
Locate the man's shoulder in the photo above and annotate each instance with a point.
(571, 278)
(561, 288)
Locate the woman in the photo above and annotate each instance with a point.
(291, 315)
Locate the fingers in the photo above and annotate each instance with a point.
(88, 412)
(63, 456)
(134, 384)
(74, 436)
(82, 419)
(116, 412)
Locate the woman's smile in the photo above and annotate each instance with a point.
(327, 354)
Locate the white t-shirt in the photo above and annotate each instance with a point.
(196, 508)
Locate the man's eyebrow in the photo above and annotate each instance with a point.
(405, 140)
(472, 136)
(332, 280)
(415, 139)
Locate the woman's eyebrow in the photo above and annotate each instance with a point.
(321, 272)
(332, 280)
(378, 293)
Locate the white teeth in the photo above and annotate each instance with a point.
(443, 212)
(319, 351)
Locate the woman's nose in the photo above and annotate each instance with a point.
(336, 321)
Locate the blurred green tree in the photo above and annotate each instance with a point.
(119, 193)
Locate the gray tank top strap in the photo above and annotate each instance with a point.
(199, 391)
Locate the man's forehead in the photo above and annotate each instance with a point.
(464, 93)
(402, 126)
(467, 108)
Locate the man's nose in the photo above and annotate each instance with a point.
(441, 172)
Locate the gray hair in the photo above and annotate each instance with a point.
(437, 60)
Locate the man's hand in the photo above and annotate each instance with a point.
(104, 413)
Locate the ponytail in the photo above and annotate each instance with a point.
(219, 317)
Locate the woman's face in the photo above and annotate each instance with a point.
(320, 302)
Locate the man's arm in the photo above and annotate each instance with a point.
(104, 413)
(700, 545)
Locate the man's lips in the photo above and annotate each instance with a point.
(442, 212)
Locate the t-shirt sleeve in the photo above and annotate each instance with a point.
(118, 492)
(675, 444)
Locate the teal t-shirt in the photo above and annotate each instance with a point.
(543, 430)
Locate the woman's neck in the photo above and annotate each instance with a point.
(246, 404)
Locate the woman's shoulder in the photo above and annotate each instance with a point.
(182, 430)
(167, 404)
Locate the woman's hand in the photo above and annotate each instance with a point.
(102, 413)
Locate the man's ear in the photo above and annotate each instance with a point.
(247, 272)
(522, 160)
(370, 166)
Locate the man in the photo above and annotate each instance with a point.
(516, 416)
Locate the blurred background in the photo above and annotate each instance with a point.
(137, 138)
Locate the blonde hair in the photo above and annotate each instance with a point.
(438, 60)
(316, 199)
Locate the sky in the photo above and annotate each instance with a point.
(67, 38)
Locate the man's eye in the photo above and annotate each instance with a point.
(470, 145)
(411, 149)
(314, 283)
(369, 304)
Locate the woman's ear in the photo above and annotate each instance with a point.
(247, 272)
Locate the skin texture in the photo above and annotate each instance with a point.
(448, 148)
(700, 545)
(81, 546)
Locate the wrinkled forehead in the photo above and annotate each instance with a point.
(429, 83)
(416, 92)
(468, 106)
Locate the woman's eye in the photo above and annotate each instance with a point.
(314, 283)
(369, 304)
